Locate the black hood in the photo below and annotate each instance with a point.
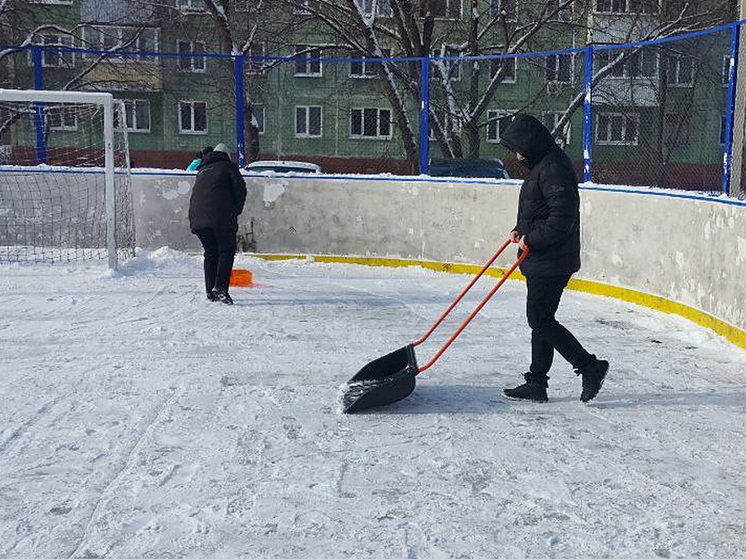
(214, 156)
(529, 137)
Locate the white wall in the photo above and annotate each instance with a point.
(688, 249)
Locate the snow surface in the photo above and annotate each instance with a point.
(139, 420)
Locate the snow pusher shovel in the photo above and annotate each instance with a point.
(391, 378)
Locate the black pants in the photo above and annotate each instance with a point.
(547, 334)
(220, 249)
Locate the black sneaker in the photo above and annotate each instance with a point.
(213, 296)
(593, 375)
(223, 296)
(535, 389)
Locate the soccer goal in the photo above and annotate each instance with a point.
(64, 177)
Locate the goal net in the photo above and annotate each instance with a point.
(64, 178)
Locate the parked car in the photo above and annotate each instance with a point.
(283, 167)
(485, 168)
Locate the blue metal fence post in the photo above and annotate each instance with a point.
(425, 118)
(588, 115)
(41, 146)
(238, 64)
(730, 104)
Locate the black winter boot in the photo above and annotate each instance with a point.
(593, 375)
(223, 297)
(213, 296)
(535, 389)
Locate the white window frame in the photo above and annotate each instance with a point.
(130, 107)
(495, 61)
(369, 69)
(298, 50)
(556, 115)
(556, 68)
(65, 59)
(62, 110)
(676, 60)
(307, 110)
(378, 135)
(612, 54)
(194, 46)
(191, 6)
(625, 142)
(626, 10)
(497, 114)
(191, 131)
(118, 31)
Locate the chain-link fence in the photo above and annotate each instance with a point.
(656, 113)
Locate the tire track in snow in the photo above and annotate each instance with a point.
(128, 463)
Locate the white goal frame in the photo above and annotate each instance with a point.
(107, 102)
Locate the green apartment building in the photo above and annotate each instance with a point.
(658, 112)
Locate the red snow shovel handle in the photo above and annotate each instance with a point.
(476, 311)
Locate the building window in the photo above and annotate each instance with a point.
(453, 67)
(552, 118)
(136, 114)
(188, 62)
(110, 37)
(617, 129)
(559, 68)
(446, 9)
(680, 70)
(255, 66)
(56, 58)
(308, 63)
(496, 123)
(308, 122)
(191, 5)
(192, 117)
(62, 118)
(383, 7)
(627, 6)
(363, 69)
(510, 65)
(503, 8)
(257, 116)
(643, 63)
(370, 123)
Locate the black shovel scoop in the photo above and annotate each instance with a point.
(391, 378)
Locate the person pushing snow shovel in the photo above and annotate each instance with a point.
(549, 225)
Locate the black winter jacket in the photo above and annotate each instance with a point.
(549, 204)
(218, 195)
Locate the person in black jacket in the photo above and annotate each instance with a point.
(549, 226)
(217, 199)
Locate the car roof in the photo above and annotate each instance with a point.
(284, 165)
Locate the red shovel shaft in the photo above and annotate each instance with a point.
(476, 311)
(461, 295)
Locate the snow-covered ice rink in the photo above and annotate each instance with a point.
(138, 420)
